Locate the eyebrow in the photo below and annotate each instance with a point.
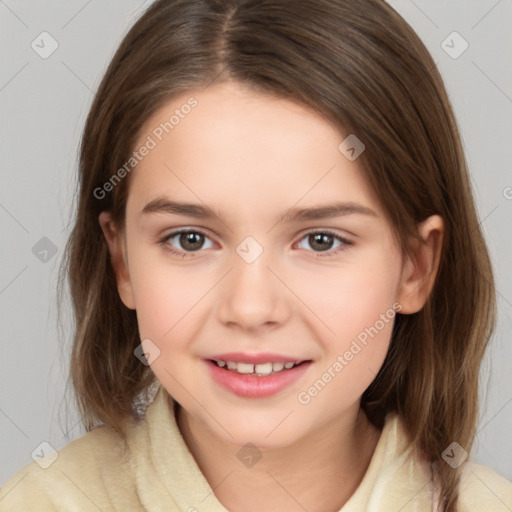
(163, 205)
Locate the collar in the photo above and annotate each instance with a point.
(166, 471)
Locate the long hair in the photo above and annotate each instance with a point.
(360, 65)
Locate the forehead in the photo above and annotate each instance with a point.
(228, 145)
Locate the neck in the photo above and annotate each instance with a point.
(318, 473)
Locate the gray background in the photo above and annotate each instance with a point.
(43, 104)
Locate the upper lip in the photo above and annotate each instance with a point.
(262, 357)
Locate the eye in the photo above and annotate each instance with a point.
(322, 241)
(190, 240)
(186, 242)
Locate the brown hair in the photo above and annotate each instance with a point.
(358, 64)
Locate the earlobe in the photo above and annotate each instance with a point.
(421, 266)
(118, 258)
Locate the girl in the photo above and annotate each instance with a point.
(281, 289)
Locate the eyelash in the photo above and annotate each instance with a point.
(322, 254)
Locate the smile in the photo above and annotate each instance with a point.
(260, 370)
(255, 376)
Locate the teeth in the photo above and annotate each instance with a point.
(245, 368)
(261, 370)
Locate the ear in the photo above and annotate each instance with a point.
(118, 258)
(421, 265)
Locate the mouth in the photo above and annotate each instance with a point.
(256, 376)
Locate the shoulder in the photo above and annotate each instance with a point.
(86, 472)
(482, 488)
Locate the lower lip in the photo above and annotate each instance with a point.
(251, 386)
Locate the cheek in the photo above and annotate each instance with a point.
(354, 295)
(353, 358)
(165, 295)
(366, 324)
(358, 303)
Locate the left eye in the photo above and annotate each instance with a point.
(321, 241)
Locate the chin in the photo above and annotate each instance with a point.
(263, 431)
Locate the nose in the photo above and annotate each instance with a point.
(252, 296)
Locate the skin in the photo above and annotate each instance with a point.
(252, 157)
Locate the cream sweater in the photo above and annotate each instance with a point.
(159, 474)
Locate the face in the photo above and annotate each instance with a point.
(274, 274)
